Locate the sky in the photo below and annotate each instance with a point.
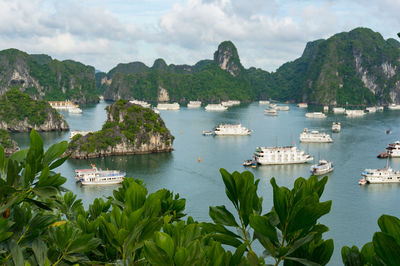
(103, 33)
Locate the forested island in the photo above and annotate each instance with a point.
(129, 129)
(20, 113)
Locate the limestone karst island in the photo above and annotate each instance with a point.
(199, 132)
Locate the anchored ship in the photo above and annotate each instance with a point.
(323, 167)
(280, 155)
(96, 176)
(231, 130)
(315, 136)
(216, 107)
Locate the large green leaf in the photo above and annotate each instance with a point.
(280, 201)
(227, 240)
(16, 253)
(221, 215)
(261, 225)
(351, 256)
(390, 225)
(386, 248)
(19, 156)
(55, 151)
(36, 145)
(83, 243)
(155, 255)
(165, 242)
(323, 252)
(238, 255)
(40, 251)
(230, 187)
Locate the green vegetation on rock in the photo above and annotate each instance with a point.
(129, 125)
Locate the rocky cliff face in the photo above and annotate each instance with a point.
(45, 78)
(129, 129)
(227, 58)
(21, 113)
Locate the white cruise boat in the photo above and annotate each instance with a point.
(231, 130)
(155, 110)
(230, 103)
(355, 113)
(393, 149)
(371, 109)
(282, 108)
(76, 132)
(315, 115)
(323, 167)
(302, 105)
(141, 103)
(194, 104)
(394, 106)
(263, 102)
(94, 176)
(315, 136)
(168, 106)
(280, 155)
(376, 176)
(216, 107)
(270, 112)
(272, 105)
(339, 110)
(336, 127)
(379, 108)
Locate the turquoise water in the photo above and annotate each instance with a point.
(355, 209)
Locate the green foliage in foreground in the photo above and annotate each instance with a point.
(41, 226)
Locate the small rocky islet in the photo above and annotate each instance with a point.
(129, 129)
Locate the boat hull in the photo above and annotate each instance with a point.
(282, 163)
(95, 183)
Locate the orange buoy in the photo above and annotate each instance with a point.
(198, 159)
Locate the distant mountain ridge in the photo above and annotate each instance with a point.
(357, 67)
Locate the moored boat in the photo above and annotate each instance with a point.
(216, 107)
(280, 155)
(302, 105)
(336, 127)
(315, 136)
(323, 167)
(168, 106)
(263, 102)
(385, 175)
(355, 113)
(394, 106)
(141, 103)
(339, 110)
(207, 133)
(249, 163)
(194, 104)
(282, 108)
(393, 149)
(270, 112)
(371, 109)
(315, 115)
(231, 130)
(96, 176)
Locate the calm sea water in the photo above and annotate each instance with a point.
(355, 209)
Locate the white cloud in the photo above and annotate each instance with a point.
(103, 33)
